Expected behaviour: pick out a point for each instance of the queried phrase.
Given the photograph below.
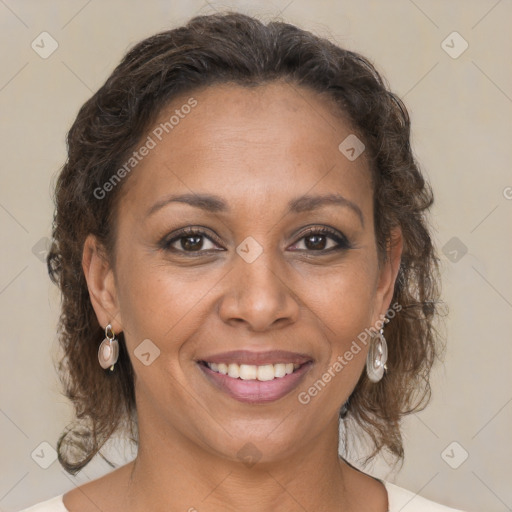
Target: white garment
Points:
(400, 500)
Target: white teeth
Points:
(233, 371)
(279, 370)
(248, 371)
(253, 372)
(266, 372)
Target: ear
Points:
(388, 272)
(101, 284)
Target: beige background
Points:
(460, 110)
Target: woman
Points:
(239, 236)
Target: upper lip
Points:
(257, 358)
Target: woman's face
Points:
(262, 175)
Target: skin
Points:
(241, 144)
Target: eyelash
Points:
(341, 240)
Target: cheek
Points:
(159, 304)
(345, 301)
(349, 310)
(348, 293)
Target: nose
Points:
(258, 295)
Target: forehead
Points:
(255, 146)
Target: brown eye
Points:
(189, 240)
(315, 242)
(322, 240)
(191, 243)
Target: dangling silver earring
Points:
(377, 357)
(109, 349)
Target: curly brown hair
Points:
(239, 49)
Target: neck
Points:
(173, 473)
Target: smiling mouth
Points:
(265, 372)
(255, 384)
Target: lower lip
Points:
(256, 391)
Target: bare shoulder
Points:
(104, 493)
(370, 494)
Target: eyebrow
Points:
(215, 204)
